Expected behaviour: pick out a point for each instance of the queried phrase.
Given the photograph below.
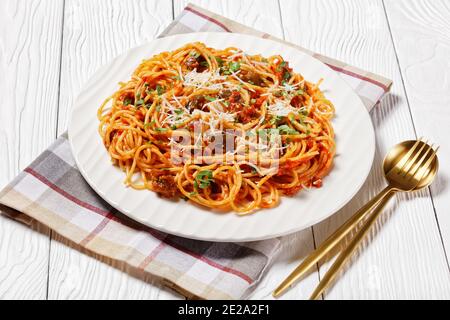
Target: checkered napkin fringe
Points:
(52, 192)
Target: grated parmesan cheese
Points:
(202, 79)
(280, 108)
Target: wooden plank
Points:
(30, 38)
(421, 31)
(403, 257)
(265, 16)
(95, 32)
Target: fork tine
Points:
(401, 163)
(423, 169)
(413, 168)
(407, 167)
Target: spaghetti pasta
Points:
(276, 125)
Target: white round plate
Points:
(355, 142)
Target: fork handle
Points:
(332, 241)
(347, 252)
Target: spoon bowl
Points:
(396, 172)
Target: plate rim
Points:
(371, 143)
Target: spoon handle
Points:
(332, 241)
(347, 252)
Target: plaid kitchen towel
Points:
(51, 191)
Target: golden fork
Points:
(409, 166)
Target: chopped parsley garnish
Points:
(303, 112)
(173, 127)
(178, 111)
(139, 102)
(204, 63)
(209, 98)
(281, 66)
(234, 66)
(291, 117)
(275, 119)
(300, 92)
(299, 120)
(270, 134)
(267, 132)
(191, 194)
(195, 54)
(219, 61)
(277, 93)
(127, 101)
(285, 129)
(204, 179)
(149, 124)
(159, 90)
(286, 76)
(161, 129)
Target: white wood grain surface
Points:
(48, 49)
(421, 32)
(30, 42)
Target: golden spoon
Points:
(410, 165)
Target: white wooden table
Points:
(49, 48)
